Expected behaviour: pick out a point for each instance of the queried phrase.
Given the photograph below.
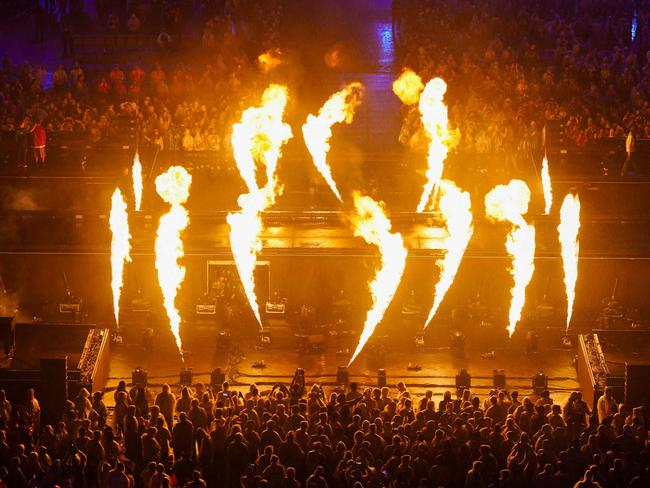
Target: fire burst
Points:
(258, 137)
(408, 87)
(509, 203)
(173, 186)
(317, 131)
(371, 223)
(136, 174)
(120, 248)
(546, 186)
(455, 207)
(568, 232)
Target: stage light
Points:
(499, 378)
(381, 378)
(342, 376)
(186, 376)
(540, 382)
(139, 377)
(463, 380)
(217, 378)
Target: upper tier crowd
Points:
(513, 65)
(352, 438)
(183, 102)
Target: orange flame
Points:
(568, 231)
(371, 223)
(258, 137)
(317, 131)
(455, 207)
(509, 203)
(173, 186)
(136, 174)
(120, 248)
(408, 87)
(546, 186)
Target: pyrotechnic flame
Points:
(568, 232)
(408, 87)
(456, 209)
(509, 203)
(136, 174)
(546, 186)
(317, 131)
(434, 119)
(257, 138)
(120, 248)
(371, 223)
(270, 60)
(173, 186)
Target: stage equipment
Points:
(342, 375)
(217, 378)
(186, 376)
(410, 309)
(381, 378)
(637, 385)
(457, 340)
(612, 314)
(8, 335)
(419, 340)
(276, 306)
(264, 339)
(540, 382)
(206, 306)
(139, 377)
(532, 342)
(53, 392)
(499, 378)
(463, 380)
(223, 341)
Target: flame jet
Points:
(456, 208)
(136, 174)
(509, 203)
(436, 125)
(257, 138)
(120, 248)
(317, 131)
(546, 186)
(173, 186)
(371, 223)
(568, 234)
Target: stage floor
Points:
(439, 365)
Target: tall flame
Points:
(509, 203)
(317, 131)
(371, 223)
(546, 186)
(434, 119)
(257, 138)
(456, 209)
(408, 87)
(173, 186)
(136, 174)
(568, 232)
(120, 248)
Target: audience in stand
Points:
(283, 437)
(512, 66)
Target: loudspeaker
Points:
(381, 378)
(342, 377)
(637, 385)
(139, 377)
(499, 378)
(53, 392)
(463, 380)
(217, 377)
(186, 376)
(8, 335)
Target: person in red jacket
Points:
(39, 137)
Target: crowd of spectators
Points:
(187, 105)
(513, 65)
(291, 437)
